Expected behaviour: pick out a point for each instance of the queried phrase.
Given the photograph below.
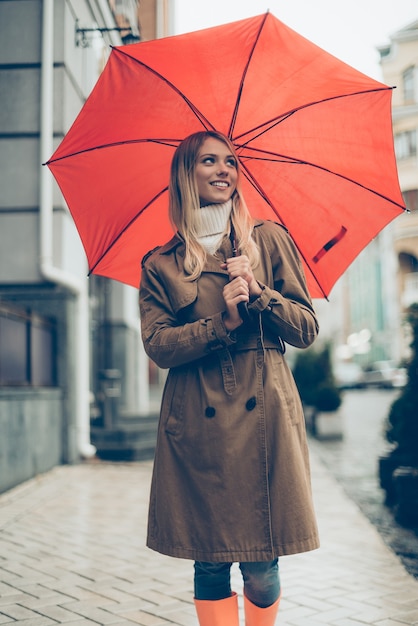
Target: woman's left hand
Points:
(240, 266)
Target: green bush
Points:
(307, 375)
(402, 423)
(315, 380)
(328, 398)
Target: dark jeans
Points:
(212, 581)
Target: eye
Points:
(208, 159)
(231, 162)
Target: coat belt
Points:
(250, 341)
(254, 341)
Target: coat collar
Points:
(177, 240)
(184, 292)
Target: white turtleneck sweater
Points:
(213, 221)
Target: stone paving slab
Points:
(72, 551)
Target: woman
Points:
(231, 479)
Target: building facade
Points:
(399, 62)
(371, 297)
(68, 344)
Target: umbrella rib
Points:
(125, 228)
(244, 74)
(267, 126)
(172, 143)
(262, 193)
(204, 121)
(293, 161)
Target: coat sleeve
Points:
(168, 342)
(286, 307)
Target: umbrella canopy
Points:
(313, 135)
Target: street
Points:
(354, 463)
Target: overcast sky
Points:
(349, 30)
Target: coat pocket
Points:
(287, 390)
(173, 402)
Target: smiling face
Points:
(215, 172)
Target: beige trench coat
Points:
(231, 479)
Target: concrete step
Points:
(131, 438)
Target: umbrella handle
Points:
(241, 306)
(243, 312)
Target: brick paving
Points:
(72, 552)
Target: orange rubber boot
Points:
(218, 612)
(256, 616)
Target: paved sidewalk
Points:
(72, 552)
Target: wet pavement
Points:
(72, 551)
(353, 461)
(72, 546)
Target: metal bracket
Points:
(82, 41)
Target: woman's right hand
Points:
(233, 293)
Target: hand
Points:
(240, 266)
(234, 292)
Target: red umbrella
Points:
(314, 138)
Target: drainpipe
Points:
(72, 283)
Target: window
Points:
(27, 349)
(13, 351)
(408, 81)
(411, 199)
(42, 350)
(406, 144)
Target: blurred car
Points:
(383, 375)
(348, 375)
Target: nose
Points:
(222, 169)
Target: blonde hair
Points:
(184, 204)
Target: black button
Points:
(251, 403)
(210, 411)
